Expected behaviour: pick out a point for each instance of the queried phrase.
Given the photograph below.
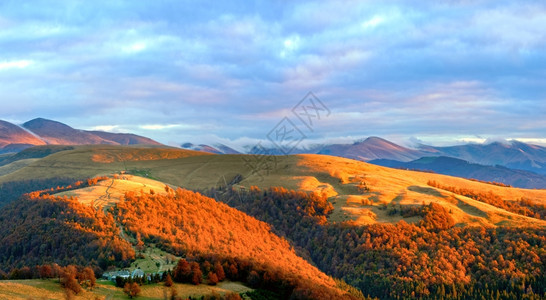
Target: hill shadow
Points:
(425, 191)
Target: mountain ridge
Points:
(40, 131)
(462, 168)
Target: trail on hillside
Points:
(105, 202)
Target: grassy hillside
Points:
(502, 252)
(360, 192)
(124, 216)
(176, 219)
(51, 289)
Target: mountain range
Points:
(36, 132)
(511, 154)
(462, 168)
(513, 163)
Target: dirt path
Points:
(103, 200)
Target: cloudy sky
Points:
(177, 71)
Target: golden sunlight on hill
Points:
(361, 192)
(366, 192)
(108, 192)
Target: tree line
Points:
(428, 260)
(523, 207)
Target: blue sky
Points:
(442, 72)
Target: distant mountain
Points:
(226, 150)
(216, 149)
(125, 138)
(56, 133)
(40, 131)
(14, 138)
(370, 149)
(461, 168)
(513, 154)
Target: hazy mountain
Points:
(372, 148)
(364, 150)
(40, 131)
(226, 149)
(461, 168)
(513, 154)
(125, 138)
(216, 149)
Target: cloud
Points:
(108, 128)
(17, 64)
(453, 69)
(160, 126)
(373, 22)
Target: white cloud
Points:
(108, 128)
(167, 126)
(158, 126)
(453, 69)
(373, 22)
(15, 64)
(538, 141)
(290, 45)
(135, 47)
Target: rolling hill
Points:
(106, 222)
(358, 190)
(392, 233)
(512, 155)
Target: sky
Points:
(439, 72)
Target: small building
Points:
(112, 275)
(137, 273)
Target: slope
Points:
(42, 131)
(359, 191)
(45, 229)
(176, 218)
(57, 133)
(104, 222)
(13, 137)
(124, 138)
